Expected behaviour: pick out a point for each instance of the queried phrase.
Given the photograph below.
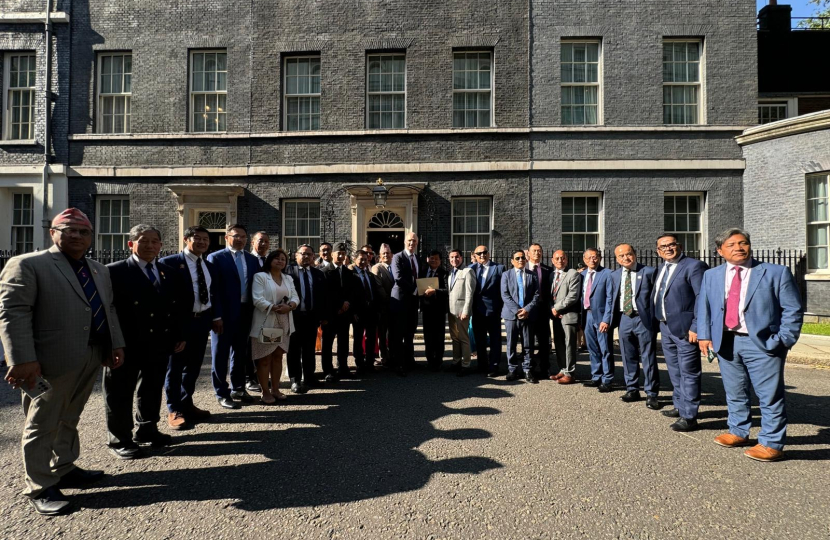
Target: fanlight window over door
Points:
(386, 220)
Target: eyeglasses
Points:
(72, 231)
(665, 247)
(519, 258)
(480, 253)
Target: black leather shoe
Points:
(298, 388)
(592, 383)
(228, 403)
(156, 440)
(671, 413)
(605, 388)
(78, 477)
(331, 378)
(126, 452)
(631, 396)
(494, 373)
(463, 372)
(312, 383)
(684, 424)
(455, 367)
(253, 386)
(50, 502)
(653, 404)
(243, 396)
(531, 378)
(512, 376)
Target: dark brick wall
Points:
(818, 298)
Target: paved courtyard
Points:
(434, 456)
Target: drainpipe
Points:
(47, 138)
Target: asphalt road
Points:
(435, 456)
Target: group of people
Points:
(147, 321)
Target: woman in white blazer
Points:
(274, 298)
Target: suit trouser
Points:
(541, 334)
(301, 360)
(183, 368)
(683, 365)
(565, 339)
(405, 322)
(460, 340)
(483, 326)
(141, 375)
(337, 326)
(434, 323)
(231, 347)
(601, 349)
(366, 324)
(518, 329)
(743, 365)
(384, 334)
(638, 344)
(50, 434)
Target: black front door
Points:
(393, 238)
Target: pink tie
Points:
(587, 301)
(733, 301)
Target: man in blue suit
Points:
(235, 269)
(487, 304)
(750, 314)
(632, 285)
(520, 294)
(676, 292)
(596, 287)
(403, 304)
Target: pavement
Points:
(811, 350)
(433, 456)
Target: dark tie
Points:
(452, 279)
(204, 297)
(556, 283)
(307, 295)
(414, 267)
(99, 318)
(661, 292)
(151, 275)
(366, 284)
(733, 302)
(481, 275)
(628, 295)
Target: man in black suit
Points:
(367, 299)
(150, 305)
(311, 288)
(487, 304)
(260, 246)
(434, 308)
(197, 282)
(339, 290)
(403, 305)
(541, 326)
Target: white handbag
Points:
(269, 335)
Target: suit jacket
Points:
(461, 292)
(178, 263)
(318, 290)
(338, 292)
(227, 303)
(487, 300)
(404, 282)
(45, 315)
(383, 276)
(566, 301)
(682, 292)
(439, 303)
(642, 298)
(365, 303)
(510, 294)
(772, 308)
(544, 287)
(152, 320)
(600, 289)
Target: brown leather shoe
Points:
(729, 440)
(198, 414)
(176, 421)
(566, 379)
(557, 376)
(759, 452)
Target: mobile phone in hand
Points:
(40, 388)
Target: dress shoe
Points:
(493, 374)
(50, 502)
(728, 440)
(631, 396)
(78, 478)
(197, 414)
(344, 373)
(605, 388)
(566, 379)
(176, 421)
(592, 383)
(253, 386)
(531, 378)
(759, 452)
(512, 376)
(331, 378)
(312, 383)
(228, 403)
(243, 396)
(653, 404)
(463, 372)
(298, 388)
(671, 413)
(557, 376)
(154, 439)
(455, 366)
(684, 424)
(132, 451)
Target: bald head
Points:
(411, 242)
(626, 256)
(559, 260)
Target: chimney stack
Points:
(775, 18)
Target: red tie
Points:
(733, 301)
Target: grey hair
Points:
(728, 233)
(140, 229)
(384, 245)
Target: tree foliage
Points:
(820, 17)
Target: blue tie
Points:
(241, 271)
(661, 292)
(481, 276)
(99, 318)
(452, 278)
(521, 282)
(307, 295)
(151, 275)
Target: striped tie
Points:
(99, 318)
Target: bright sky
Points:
(801, 8)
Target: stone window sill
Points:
(22, 142)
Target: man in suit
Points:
(365, 315)
(235, 269)
(370, 255)
(57, 321)
(383, 277)
(434, 308)
(541, 326)
(520, 295)
(598, 335)
(749, 314)
(487, 304)
(198, 289)
(325, 259)
(149, 301)
(632, 286)
(462, 286)
(565, 310)
(340, 292)
(677, 285)
(403, 304)
(311, 289)
(260, 246)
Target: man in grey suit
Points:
(565, 289)
(385, 282)
(462, 287)
(57, 321)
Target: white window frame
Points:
(600, 196)
(810, 266)
(101, 96)
(598, 84)
(491, 90)
(99, 242)
(22, 226)
(791, 105)
(453, 232)
(217, 93)
(284, 238)
(701, 83)
(7, 90)
(314, 95)
(701, 233)
(382, 93)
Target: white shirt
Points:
(323, 264)
(670, 267)
(260, 259)
(244, 270)
(198, 307)
(486, 271)
(730, 275)
(300, 271)
(633, 279)
(143, 265)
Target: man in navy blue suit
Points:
(403, 304)
(520, 294)
(749, 313)
(311, 289)
(235, 269)
(596, 286)
(487, 304)
(632, 286)
(676, 292)
(196, 276)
